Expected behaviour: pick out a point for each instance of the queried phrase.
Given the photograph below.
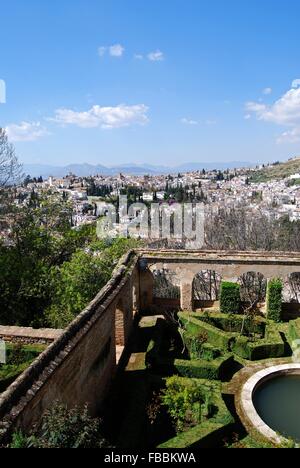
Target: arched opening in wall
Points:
(166, 288)
(291, 292)
(119, 330)
(206, 289)
(291, 296)
(253, 289)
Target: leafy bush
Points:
(230, 299)
(19, 441)
(185, 402)
(63, 428)
(274, 300)
(213, 428)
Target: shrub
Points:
(64, 428)
(215, 424)
(19, 441)
(274, 300)
(230, 299)
(184, 399)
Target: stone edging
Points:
(247, 398)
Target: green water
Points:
(278, 404)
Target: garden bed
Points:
(19, 357)
(261, 339)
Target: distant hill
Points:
(277, 171)
(84, 170)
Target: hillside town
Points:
(90, 196)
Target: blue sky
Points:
(157, 82)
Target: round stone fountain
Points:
(270, 400)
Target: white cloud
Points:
(156, 56)
(26, 131)
(138, 56)
(284, 112)
(186, 121)
(290, 136)
(116, 50)
(267, 91)
(104, 117)
(296, 83)
(247, 117)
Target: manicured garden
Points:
(174, 390)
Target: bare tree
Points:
(10, 168)
(206, 286)
(238, 229)
(253, 287)
(253, 291)
(166, 285)
(293, 286)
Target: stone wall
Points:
(79, 366)
(26, 335)
(185, 265)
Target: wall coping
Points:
(47, 334)
(208, 256)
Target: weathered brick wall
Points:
(79, 366)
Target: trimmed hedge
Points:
(201, 369)
(274, 300)
(195, 436)
(199, 350)
(272, 346)
(294, 331)
(230, 298)
(216, 337)
(153, 354)
(233, 323)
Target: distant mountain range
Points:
(81, 170)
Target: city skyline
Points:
(108, 83)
